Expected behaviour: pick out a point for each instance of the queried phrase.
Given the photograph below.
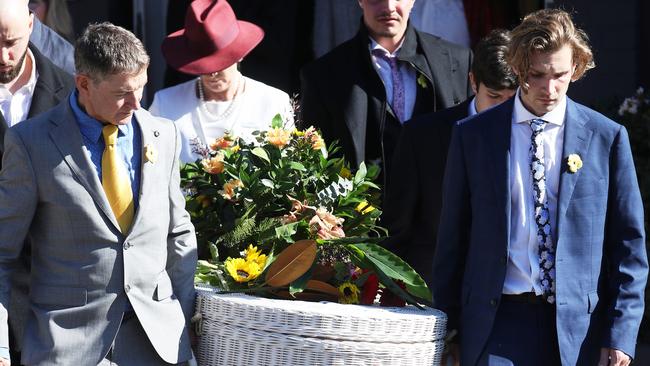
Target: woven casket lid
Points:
(323, 319)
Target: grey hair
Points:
(106, 49)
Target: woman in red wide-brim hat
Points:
(220, 100)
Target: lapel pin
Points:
(156, 133)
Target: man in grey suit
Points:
(94, 183)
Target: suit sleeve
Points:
(181, 240)
(312, 110)
(401, 197)
(18, 199)
(624, 250)
(453, 233)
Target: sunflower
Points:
(349, 293)
(242, 270)
(255, 255)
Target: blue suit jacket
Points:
(601, 260)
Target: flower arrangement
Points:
(279, 217)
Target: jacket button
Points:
(127, 288)
(493, 302)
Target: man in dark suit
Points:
(361, 92)
(29, 85)
(541, 255)
(414, 197)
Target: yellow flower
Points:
(574, 163)
(214, 164)
(235, 148)
(363, 207)
(150, 154)
(278, 137)
(296, 132)
(422, 81)
(230, 188)
(345, 173)
(349, 293)
(242, 270)
(253, 254)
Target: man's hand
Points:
(5, 362)
(613, 357)
(451, 356)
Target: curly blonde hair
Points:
(548, 30)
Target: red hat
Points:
(212, 40)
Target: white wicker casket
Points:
(237, 329)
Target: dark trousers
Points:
(524, 334)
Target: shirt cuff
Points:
(4, 353)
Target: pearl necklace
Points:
(228, 111)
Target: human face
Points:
(548, 79)
(15, 28)
(386, 20)
(113, 99)
(39, 7)
(487, 97)
(221, 85)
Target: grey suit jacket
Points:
(83, 270)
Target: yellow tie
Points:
(115, 181)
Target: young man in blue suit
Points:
(541, 254)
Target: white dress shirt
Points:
(15, 107)
(522, 272)
(408, 78)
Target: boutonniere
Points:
(150, 154)
(422, 81)
(574, 163)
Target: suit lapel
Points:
(577, 137)
(498, 132)
(146, 168)
(67, 138)
(3, 130)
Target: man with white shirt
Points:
(363, 91)
(413, 200)
(541, 254)
(29, 85)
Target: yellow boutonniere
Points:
(574, 163)
(150, 154)
(422, 81)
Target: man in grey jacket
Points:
(94, 183)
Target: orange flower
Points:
(230, 189)
(214, 164)
(222, 142)
(278, 137)
(314, 138)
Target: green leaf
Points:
(277, 121)
(300, 284)
(361, 173)
(267, 183)
(286, 231)
(261, 153)
(394, 267)
(297, 166)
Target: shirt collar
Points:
(376, 46)
(471, 109)
(29, 87)
(521, 114)
(89, 126)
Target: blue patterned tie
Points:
(399, 96)
(546, 249)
